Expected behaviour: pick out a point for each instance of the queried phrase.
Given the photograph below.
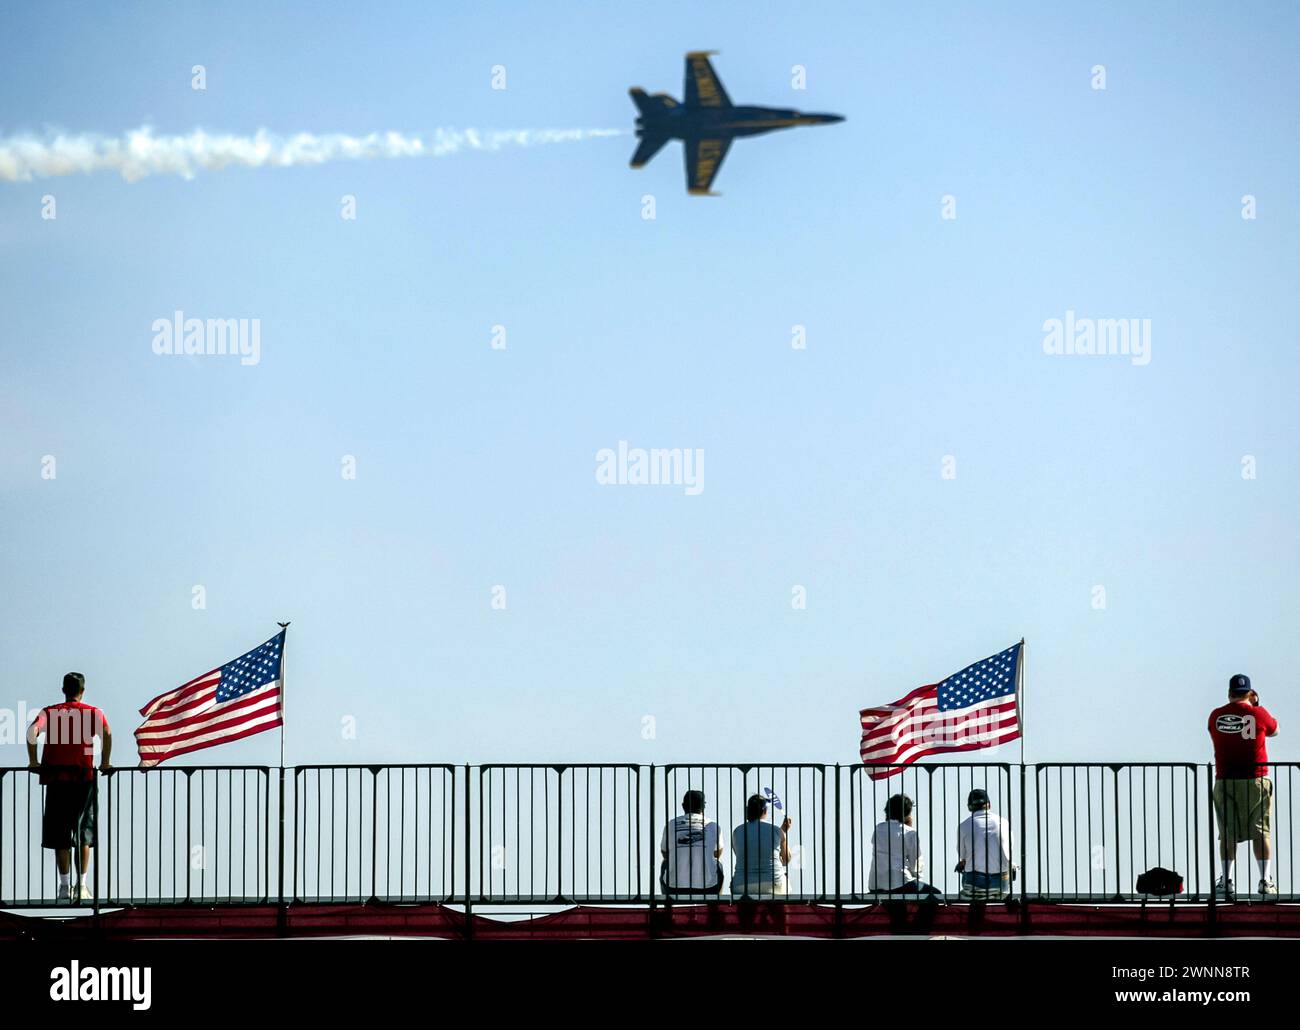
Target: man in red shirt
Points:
(67, 770)
(1243, 793)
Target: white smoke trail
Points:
(140, 153)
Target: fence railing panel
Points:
(384, 833)
(1098, 826)
(937, 795)
(802, 792)
(557, 833)
(1286, 782)
(164, 836)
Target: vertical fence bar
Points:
(264, 825)
(654, 875)
(637, 851)
(853, 833)
(1024, 849)
(282, 912)
(469, 917)
(107, 851)
(1212, 915)
(1119, 850)
(839, 894)
(299, 836)
(374, 832)
(97, 852)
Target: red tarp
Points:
(611, 923)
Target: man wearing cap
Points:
(984, 851)
(1243, 793)
(687, 843)
(67, 769)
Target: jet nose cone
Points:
(820, 119)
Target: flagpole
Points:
(284, 626)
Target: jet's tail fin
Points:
(650, 105)
(650, 145)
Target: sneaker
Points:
(1267, 887)
(62, 894)
(84, 894)
(1223, 889)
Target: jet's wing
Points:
(646, 149)
(703, 87)
(703, 159)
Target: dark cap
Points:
(977, 799)
(1239, 685)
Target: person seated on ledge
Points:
(984, 851)
(762, 852)
(690, 847)
(896, 862)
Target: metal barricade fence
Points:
(563, 834)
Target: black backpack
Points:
(1160, 882)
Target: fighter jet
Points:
(706, 122)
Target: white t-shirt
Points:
(688, 844)
(984, 842)
(895, 856)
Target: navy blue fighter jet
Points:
(706, 122)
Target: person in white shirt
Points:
(984, 851)
(896, 862)
(691, 847)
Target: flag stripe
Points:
(224, 718)
(218, 736)
(895, 770)
(939, 728)
(214, 733)
(911, 750)
(931, 722)
(155, 758)
(208, 710)
(902, 704)
(173, 697)
(197, 703)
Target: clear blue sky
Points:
(477, 467)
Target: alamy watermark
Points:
(78, 726)
(198, 336)
(658, 466)
(75, 982)
(1100, 336)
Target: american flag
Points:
(238, 699)
(975, 708)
